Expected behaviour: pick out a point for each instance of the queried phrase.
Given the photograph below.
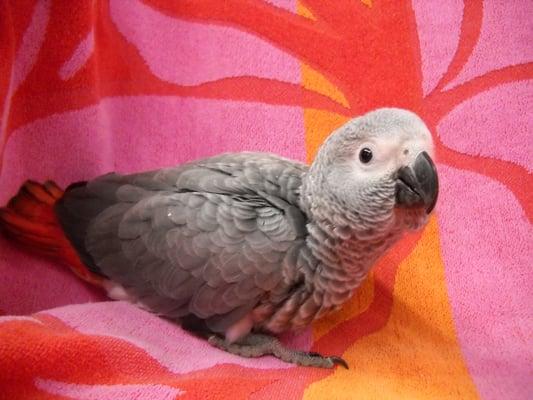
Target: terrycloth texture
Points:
(87, 87)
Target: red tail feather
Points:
(30, 220)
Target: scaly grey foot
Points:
(257, 345)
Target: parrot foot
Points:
(257, 345)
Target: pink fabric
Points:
(167, 46)
(159, 338)
(108, 392)
(439, 36)
(504, 112)
(505, 39)
(488, 250)
(25, 287)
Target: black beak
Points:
(418, 186)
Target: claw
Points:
(339, 361)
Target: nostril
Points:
(406, 151)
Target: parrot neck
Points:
(344, 243)
(344, 260)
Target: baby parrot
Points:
(240, 247)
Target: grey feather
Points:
(216, 229)
(216, 239)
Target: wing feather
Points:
(210, 238)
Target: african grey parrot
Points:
(241, 246)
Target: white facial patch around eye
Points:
(366, 154)
(383, 161)
(392, 148)
(385, 153)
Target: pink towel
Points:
(89, 87)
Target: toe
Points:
(216, 341)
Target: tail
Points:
(29, 219)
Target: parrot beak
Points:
(418, 186)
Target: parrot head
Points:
(378, 169)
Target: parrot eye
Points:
(365, 155)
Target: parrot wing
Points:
(210, 238)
